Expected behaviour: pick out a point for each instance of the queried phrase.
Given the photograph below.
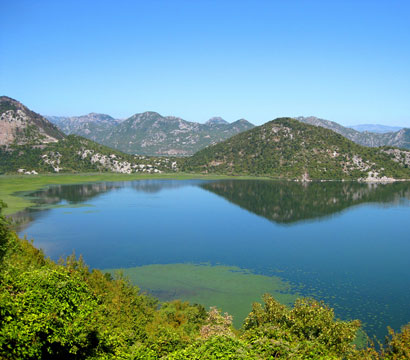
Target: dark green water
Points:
(345, 243)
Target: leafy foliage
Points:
(308, 330)
(399, 345)
(66, 311)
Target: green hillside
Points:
(76, 154)
(287, 148)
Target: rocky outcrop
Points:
(19, 125)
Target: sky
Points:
(345, 61)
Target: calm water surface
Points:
(345, 243)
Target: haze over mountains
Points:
(91, 126)
(400, 138)
(376, 128)
(150, 133)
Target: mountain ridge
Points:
(149, 133)
(30, 144)
(400, 138)
(376, 128)
(286, 148)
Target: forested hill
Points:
(75, 154)
(287, 148)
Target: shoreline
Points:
(12, 186)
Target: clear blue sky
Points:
(346, 61)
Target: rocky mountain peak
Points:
(216, 120)
(243, 122)
(19, 125)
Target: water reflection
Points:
(280, 202)
(289, 202)
(76, 194)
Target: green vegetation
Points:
(6, 106)
(288, 149)
(66, 311)
(229, 288)
(72, 154)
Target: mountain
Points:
(287, 148)
(30, 144)
(400, 138)
(216, 121)
(150, 133)
(375, 128)
(19, 125)
(91, 126)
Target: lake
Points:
(345, 243)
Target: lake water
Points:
(345, 243)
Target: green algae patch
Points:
(229, 288)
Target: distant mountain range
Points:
(290, 149)
(30, 144)
(91, 126)
(150, 133)
(400, 138)
(375, 128)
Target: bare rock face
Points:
(19, 125)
